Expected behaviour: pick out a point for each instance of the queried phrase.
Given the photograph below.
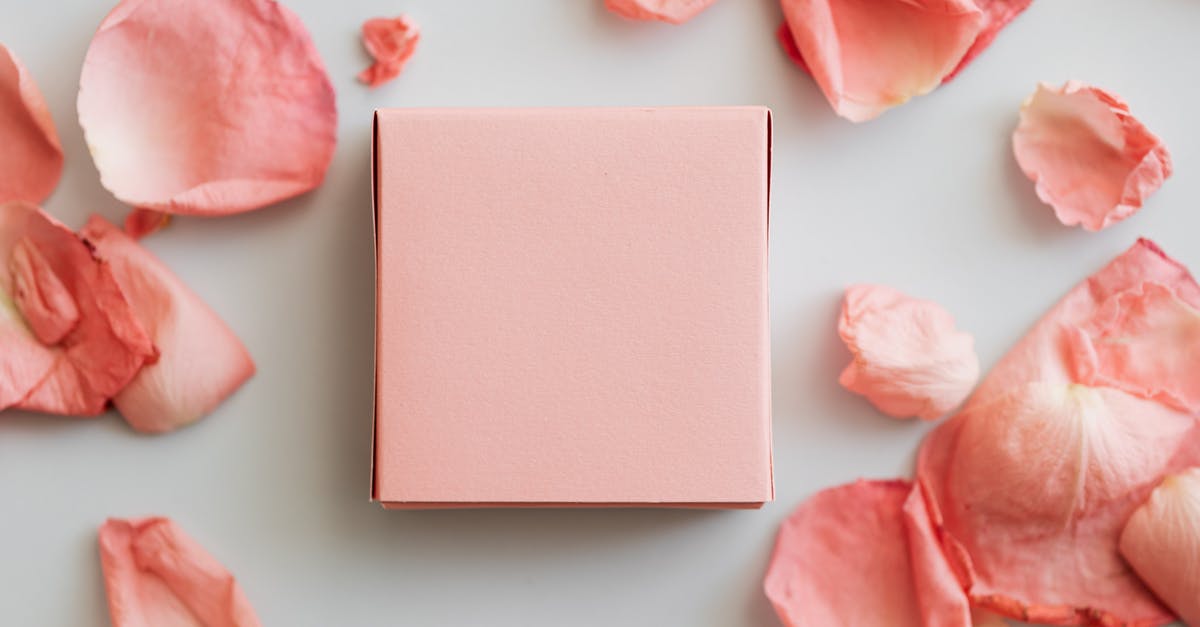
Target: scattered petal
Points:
(227, 108)
(844, 557)
(104, 345)
(1162, 543)
(784, 35)
(142, 222)
(1030, 484)
(996, 15)
(671, 11)
(870, 56)
(1146, 342)
(1091, 160)
(201, 363)
(24, 361)
(31, 159)
(941, 597)
(909, 360)
(156, 575)
(391, 42)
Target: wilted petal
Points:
(870, 55)
(40, 296)
(1147, 342)
(672, 11)
(31, 157)
(104, 347)
(1092, 161)
(390, 42)
(1162, 543)
(201, 361)
(909, 360)
(24, 361)
(157, 576)
(226, 108)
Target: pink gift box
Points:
(572, 308)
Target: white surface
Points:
(926, 199)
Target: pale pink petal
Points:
(909, 360)
(1092, 161)
(24, 361)
(1145, 341)
(390, 42)
(940, 595)
(870, 55)
(158, 576)
(226, 108)
(844, 558)
(671, 11)
(201, 361)
(1162, 543)
(104, 345)
(142, 222)
(1029, 486)
(31, 157)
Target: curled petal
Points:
(868, 56)
(31, 157)
(1162, 543)
(226, 108)
(844, 558)
(1092, 161)
(996, 15)
(142, 222)
(671, 11)
(390, 42)
(201, 361)
(24, 361)
(157, 575)
(909, 360)
(104, 345)
(1145, 341)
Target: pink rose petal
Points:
(157, 576)
(909, 360)
(1030, 485)
(390, 42)
(1145, 341)
(142, 222)
(1162, 543)
(671, 11)
(844, 558)
(31, 157)
(24, 361)
(870, 55)
(226, 108)
(1092, 161)
(201, 363)
(64, 288)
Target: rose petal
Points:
(156, 575)
(844, 558)
(40, 296)
(226, 108)
(391, 42)
(869, 56)
(1030, 484)
(142, 222)
(1162, 543)
(671, 11)
(909, 360)
(1146, 342)
(24, 361)
(105, 345)
(939, 594)
(202, 362)
(31, 157)
(1092, 161)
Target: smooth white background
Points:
(926, 199)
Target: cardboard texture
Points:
(572, 308)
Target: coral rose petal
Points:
(671, 11)
(201, 361)
(869, 56)
(940, 595)
(156, 575)
(62, 287)
(1030, 485)
(1162, 543)
(390, 42)
(24, 361)
(1144, 341)
(142, 222)
(909, 360)
(31, 157)
(1091, 160)
(996, 15)
(226, 108)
